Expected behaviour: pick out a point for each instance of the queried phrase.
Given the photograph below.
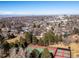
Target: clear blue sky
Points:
(39, 8)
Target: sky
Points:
(38, 7)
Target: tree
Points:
(21, 43)
(34, 25)
(76, 30)
(38, 25)
(57, 39)
(12, 45)
(52, 28)
(60, 38)
(45, 54)
(34, 40)
(48, 38)
(46, 42)
(51, 38)
(25, 44)
(28, 37)
(52, 55)
(10, 36)
(35, 53)
(6, 47)
(1, 39)
(16, 43)
(65, 34)
(41, 42)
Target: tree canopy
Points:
(45, 54)
(35, 53)
(28, 37)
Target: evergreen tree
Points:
(41, 42)
(34, 40)
(34, 25)
(45, 54)
(28, 37)
(34, 54)
(1, 39)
